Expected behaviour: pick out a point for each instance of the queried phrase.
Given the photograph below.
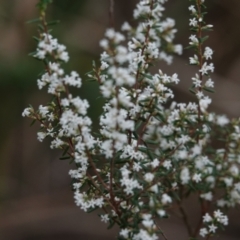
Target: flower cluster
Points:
(201, 81)
(49, 46)
(213, 222)
(151, 152)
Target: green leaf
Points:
(211, 90)
(190, 46)
(72, 160)
(42, 5)
(135, 135)
(32, 123)
(112, 223)
(191, 91)
(36, 39)
(138, 125)
(160, 118)
(92, 209)
(147, 76)
(65, 151)
(33, 21)
(152, 141)
(121, 161)
(202, 40)
(64, 158)
(53, 22)
(41, 27)
(90, 72)
(32, 54)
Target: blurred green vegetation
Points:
(18, 75)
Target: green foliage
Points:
(42, 5)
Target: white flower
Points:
(61, 53)
(148, 177)
(207, 196)
(56, 143)
(166, 199)
(136, 166)
(147, 221)
(212, 228)
(228, 181)
(207, 218)
(175, 78)
(154, 188)
(209, 83)
(193, 22)
(27, 112)
(222, 120)
(185, 175)
(199, 94)
(167, 164)
(204, 103)
(197, 177)
(124, 232)
(105, 218)
(196, 81)
(144, 235)
(237, 186)
(104, 65)
(104, 43)
(41, 136)
(110, 33)
(207, 68)
(203, 232)
(183, 139)
(126, 27)
(155, 163)
(217, 214)
(220, 217)
(194, 40)
(43, 111)
(192, 9)
(208, 53)
(178, 49)
(99, 202)
(161, 213)
(73, 80)
(194, 59)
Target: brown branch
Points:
(164, 236)
(199, 35)
(111, 13)
(185, 218)
(144, 46)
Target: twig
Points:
(111, 13)
(164, 236)
(185, 219)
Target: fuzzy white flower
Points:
(197, 177)
(207, 218)
(149, 177)
(193, 22)
(105, 218)
(166, 199)
(185, 175)
(167, 164)
(203, 232)
(208, 53)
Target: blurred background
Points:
(36, 202)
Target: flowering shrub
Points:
(150, 153)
